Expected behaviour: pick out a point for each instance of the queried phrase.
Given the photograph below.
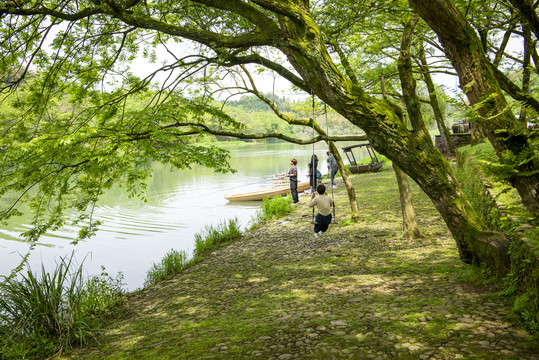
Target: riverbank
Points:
(359, 292)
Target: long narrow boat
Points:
(268, 193)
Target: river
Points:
(136, 234)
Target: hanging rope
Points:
(313, 169)
(334, 221)
(313, 165)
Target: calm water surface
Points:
(136, 234)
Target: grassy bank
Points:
(359, 292)
(501, 209)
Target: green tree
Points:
(91, 37)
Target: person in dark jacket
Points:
(332, 168)
(313, 166)
(293, 176)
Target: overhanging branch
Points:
(208, 130)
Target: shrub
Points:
(172, 263)
(531, 318)
(49, 312)
(213, 237)
(521, 283)
(273, 208)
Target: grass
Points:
(172, 263)
(48, 312)
(485, 156)
(272, 208)
(213, 237)
(360, 292)
(206, 241)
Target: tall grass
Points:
(273, 208)
(213, 237)
(172, 263)
(210, 238)
(44, 313)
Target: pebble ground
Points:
(358, 292)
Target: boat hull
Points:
(373, 167)
(268, 193)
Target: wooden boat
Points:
(355, 168)
(372, 167)
(268, 193)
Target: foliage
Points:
(478, 275)
(273, 208)
(58, 160)
(521, 284)
(171, 264)
(362, 272)
(254, 104)
(214, 237)
(522, 307)
(61, 163)
(209, 239)
(44, 313)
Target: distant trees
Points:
(252, 103)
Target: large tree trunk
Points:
(526, 73)
(413, 108)
(433, 99)
(347, 182)
(412, 150)
(477, 80)
(409, 222)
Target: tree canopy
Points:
(66, 135)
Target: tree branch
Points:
(527, 11)
(278, 68)
(205, 37)
(514, 91)
(315, 139)
(345, 63)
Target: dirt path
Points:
(359, 292)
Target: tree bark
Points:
(409, 222)
(526, 73)
(411, 230)
(289, 27)
(477, 80)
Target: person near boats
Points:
(332, 168)
(293, 176)
(323, 203)
(313, 169)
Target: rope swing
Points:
(314, 167)
(334, 219)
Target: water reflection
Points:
(179, 204)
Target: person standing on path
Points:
(323, 202)
(293, 176)
(332, 168)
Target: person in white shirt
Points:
(323, 203)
